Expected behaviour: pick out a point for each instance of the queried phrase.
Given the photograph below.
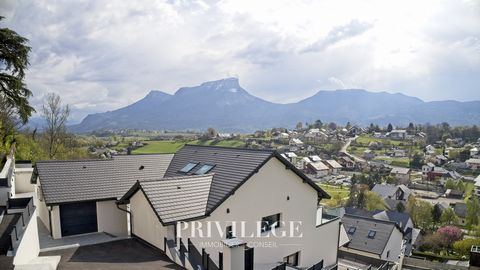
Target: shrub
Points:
(450, 234)
(463, 246)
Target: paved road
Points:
(345, 147)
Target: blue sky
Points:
(101, 55)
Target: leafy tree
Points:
(318, 123)
(348, 126)
(463, 246)
(332, 126)
(389, 127)
(55, 116)
(450, 234)
(400, 207)
(473, 210)
(436, 213)
(450, 184)
(448, 217)
(373, 201)
(211, 133)
(299, 126)
(14, 61)
(416, 162)
(421, 213)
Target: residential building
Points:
(402, 175)
(430, 150)
(198, 185)
(346, 162)
(318, 168)
(369, 154)
(460, 210)
(397, 134)
(371, 238)
(473, 163)
(392, 195)
(232, 188)
(429, 167)
(333, 166)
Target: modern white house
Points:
(255, 196)
(229, 186)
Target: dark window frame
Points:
(292, 259)
(269, 221)
(229, 232)
(371, 234)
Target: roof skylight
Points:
(204, 169)
(371, 234)
(189, 167)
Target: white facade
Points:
(273, 190)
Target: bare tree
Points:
(56, 117)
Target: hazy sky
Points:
(103, 54)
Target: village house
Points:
(333, 166)
(370, 240)
(369, 154)
(397, 134)
(197, 185)
(317, 168)
(346, 162)
(392, 195)
(402, 175)
(473, 163)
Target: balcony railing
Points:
(24, 208)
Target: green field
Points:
(400, 162)
(368, 139)
(166, 147)
(336, 193)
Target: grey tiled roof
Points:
(360, 241)
(233, 166)
(178, 198)
(82, 180)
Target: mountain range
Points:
(226, 106)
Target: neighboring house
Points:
(319, 169)
(346, 162)
(473, 151)
(460, 210)
(399, 153)
(402, 175)
(371, 238)
(397, 134)
(333, 166)
(429, 167)
(79, 196)
(296, 142)
(430, 149)
(440, 159)
(235, 185)
(473, 163)
(292, 157)
(392, 195)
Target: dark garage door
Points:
(77, 218)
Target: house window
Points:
(229, 232)
(351, 230)
(371, 234)
(188, 167)
(204, 169)
(270, 222)
(292, 260)
(388, 253)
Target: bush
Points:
(463, 246)
(450, 234)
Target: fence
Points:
(201, 259)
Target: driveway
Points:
(121, 254)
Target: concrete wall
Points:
(110, 219)
(29, 246)
(145, 223)
(22, 180)
(42, 211)
(266, 194)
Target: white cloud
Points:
(101, 55)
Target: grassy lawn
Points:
(334, 192)
(368, 139)
(165, 147)
(400, 162)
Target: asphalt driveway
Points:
(122, 254)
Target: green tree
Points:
(436, 213)
(421, 213)
(448, 217)
(473, 210)
(400, 207)
(389, 127)
(450, 184)
(14, 61)
(373, 201)
(299, 126)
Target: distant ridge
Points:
(226, 106)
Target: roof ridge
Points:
(371, 219)
(231, 148)
(177, 177)
(74, 160)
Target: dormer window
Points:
(189, 167)
(204, 169)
